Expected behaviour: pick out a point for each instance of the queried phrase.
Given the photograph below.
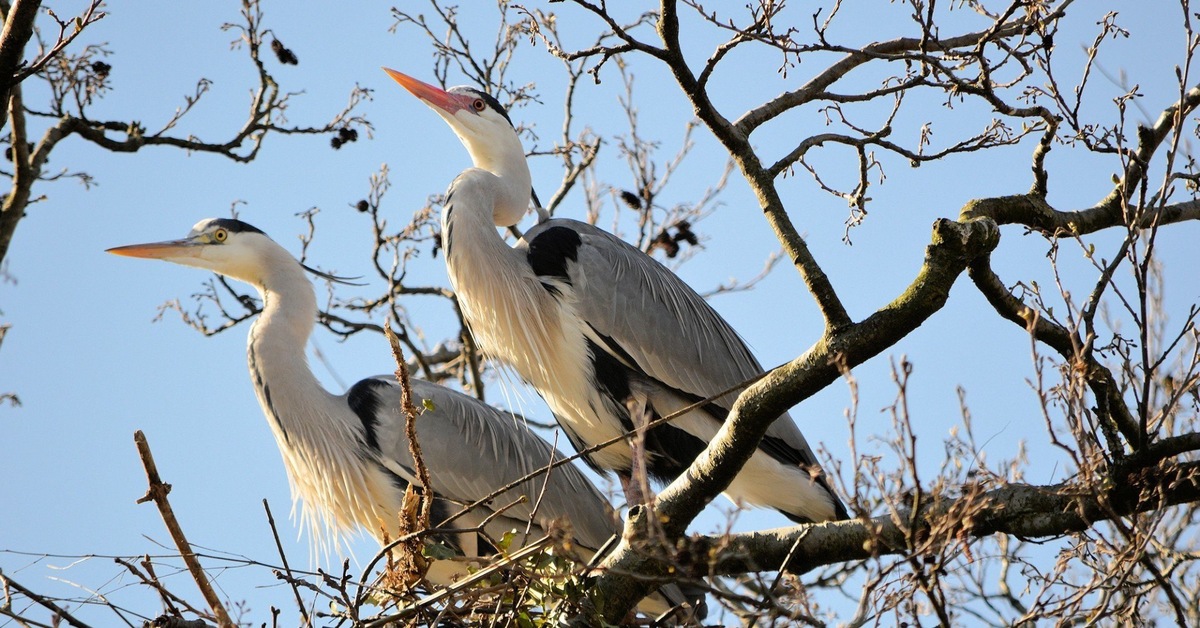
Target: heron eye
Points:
(479, 105)
(220, 234)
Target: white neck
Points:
(319, 438)
(503, 156)
(278, 363)
(468, 230)
(512, 315)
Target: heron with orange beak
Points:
(610, 338)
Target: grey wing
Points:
(472, 449)
(647, 315)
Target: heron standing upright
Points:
(347, 456)
(611, 338)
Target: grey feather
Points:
(660, 322)
(471, 449)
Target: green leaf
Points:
(437, 551)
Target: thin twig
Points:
(305, 619)
(157, 492)
(410, 426)
(482, 574)
(59, 611)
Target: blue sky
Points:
(91, 367)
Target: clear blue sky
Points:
(91, 367)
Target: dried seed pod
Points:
(285, 56)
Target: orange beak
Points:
(435, 97)
(170, 249)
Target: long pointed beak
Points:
(170, 249)
(435, 97)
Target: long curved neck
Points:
(503, 300)
(468, 231)
(319, 438)
(504, 157)
(287, 389)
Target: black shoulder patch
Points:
(550, 250)
(365, 403)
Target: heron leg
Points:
(637, 483)
(632, 488)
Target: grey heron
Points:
(347, 456)
(608, 336)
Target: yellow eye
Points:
(479, 105)
(220, 234)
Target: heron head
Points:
(478, 119)
(483, 126)
(223, 245)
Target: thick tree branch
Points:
(1022, 510)
(18, 28)
(1033, 211)
(12, 209)
(19, 19)
(954, 245)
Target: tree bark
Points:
(953, 247)
(18, 28)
